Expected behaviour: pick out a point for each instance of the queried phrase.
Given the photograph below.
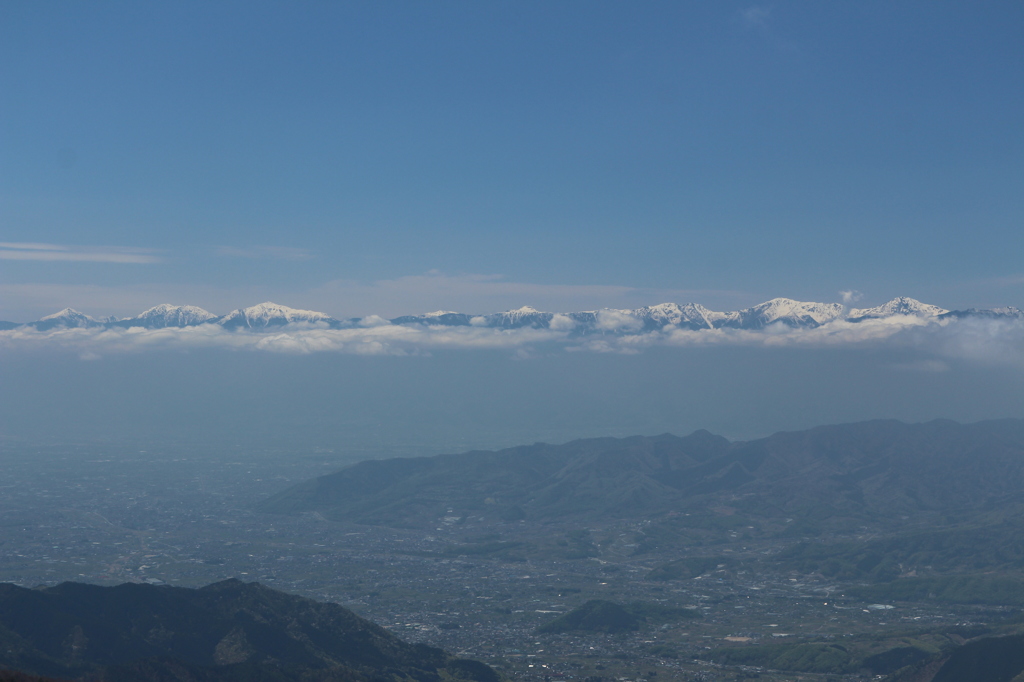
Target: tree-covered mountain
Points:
(223, 632)
(875, 471)
(987, 659)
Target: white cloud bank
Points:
(987, 341)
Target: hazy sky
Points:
(391, 158)
(458, 400)
(398, 157)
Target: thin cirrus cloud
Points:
(757, 20)
(32, 251)
(755, 17)
(265, 252)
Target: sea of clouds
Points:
(990, 341)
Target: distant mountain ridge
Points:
(868, 470)
(786, 312)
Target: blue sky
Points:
(393, 158)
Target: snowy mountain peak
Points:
(271, 314)
(167, 315)
(69, 317)
(67, 314)
(898, 306)
(520, 317)
(270, 309)
(781, 307)
(673, 309)
(788, 312)
(167, 309)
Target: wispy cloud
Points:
(850, 296)
(759, 20)
(755, 17)
(1008, 281)
(82, 254)
(265, 252)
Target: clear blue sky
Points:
(564, 154)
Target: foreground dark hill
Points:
(990, 659)
(225, 631)
(878, 470)
(15, 676)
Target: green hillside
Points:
(829, 478)
(223, 632)
(597, 615)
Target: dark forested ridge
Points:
(873, 470)
(988, 659)
(226, 631)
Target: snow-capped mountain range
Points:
(782, 312)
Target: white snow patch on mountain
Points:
(688, 314)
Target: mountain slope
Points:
(266, 315)
(519, 318)
(686, 316)
(444, 318)
(873, 469)
(67, 318)
(225, 631)
(596, 615)
(988, 659)
(785, 311)
(598, 476)
(1007, 313)
(897, 306)
(167, 315)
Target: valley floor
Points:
(107, 516)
